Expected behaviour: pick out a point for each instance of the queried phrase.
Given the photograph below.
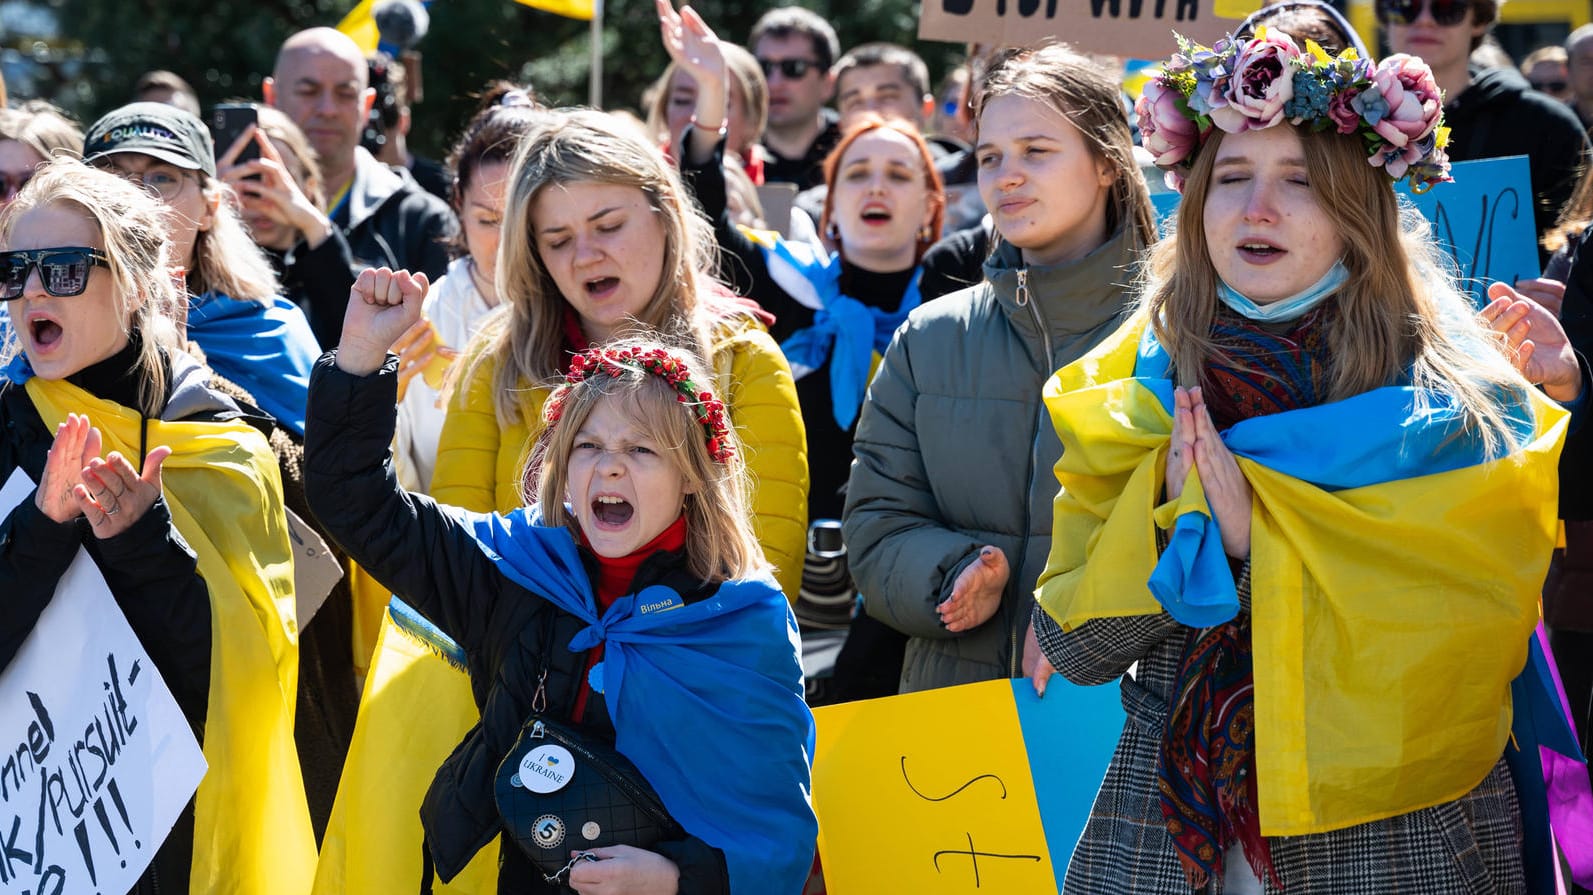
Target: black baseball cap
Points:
(156, 130)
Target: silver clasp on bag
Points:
(558, 879)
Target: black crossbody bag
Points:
(559, 791)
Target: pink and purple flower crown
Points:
(1237, 86)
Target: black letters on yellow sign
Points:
(973, 854)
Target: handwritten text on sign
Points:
(99, 759)
(1140, 28)
(978, 788)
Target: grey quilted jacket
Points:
(954, 450)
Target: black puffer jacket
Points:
(510, 636)
(151, 572)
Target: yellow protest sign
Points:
(934, 793)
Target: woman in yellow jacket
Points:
(599, 241)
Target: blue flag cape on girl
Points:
(706, 699)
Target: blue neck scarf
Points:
(733, 769)
(267, 349)
(845, 331)
(1291, 308)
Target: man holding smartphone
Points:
(321, 82)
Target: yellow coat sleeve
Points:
(763, 408)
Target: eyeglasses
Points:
(1550, 86)
(1404, 12)
(158, 182)
(12, 183)
(64, 271)
(792, 69)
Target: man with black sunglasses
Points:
(796, 47)
(1492, 113)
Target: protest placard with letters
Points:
(1137, 28)
(99, 761)
(979, 788)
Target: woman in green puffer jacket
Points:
(948, 513)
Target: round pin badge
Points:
(547, 768)
(548, 831)
(590, 830)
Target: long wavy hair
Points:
(526, 336)
(1080, 90)
(132, 226)
(720, 543)
(1401, 316)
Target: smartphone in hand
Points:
(227, 121)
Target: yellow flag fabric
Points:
(252, 826)
(1389, 620)
(373, 841)
(570, 9)
(360, 24)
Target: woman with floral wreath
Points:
(1311, 495)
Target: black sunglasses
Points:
(1550, 86)
(64, 271)
(791, 68)
(1404, 12)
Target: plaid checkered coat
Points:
(1471, 845)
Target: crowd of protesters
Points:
(603, 414)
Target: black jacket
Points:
(510, 636)
(151, 572)
(1500, 115)
(390, 221)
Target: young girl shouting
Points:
(640, 490)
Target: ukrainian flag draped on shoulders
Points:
(252, 827)
(1394, 567)
(706, 699)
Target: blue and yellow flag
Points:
(570, 9)
(251, 825)
(1395, 573)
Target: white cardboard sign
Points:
(98, 759)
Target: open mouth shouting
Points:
(601, 287)
(1259, 251)
(611, 512)
(44, 332)
(875, 214)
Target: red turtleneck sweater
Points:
(614, 578)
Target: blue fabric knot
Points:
(845, 331)
(1192, 580)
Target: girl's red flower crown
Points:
(617, 362)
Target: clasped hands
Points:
(1196, 444)
(106, 491)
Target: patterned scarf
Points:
(1206, 772)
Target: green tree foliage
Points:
(225, 47)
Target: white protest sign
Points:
(98, 759)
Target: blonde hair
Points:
(526, 338)
(132, 226)
(720, 544)
(43, 128)
(1080, 90)
(1400, 317)
(226, 258)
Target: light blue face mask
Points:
(1285, 309)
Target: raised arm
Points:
(424, 553)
